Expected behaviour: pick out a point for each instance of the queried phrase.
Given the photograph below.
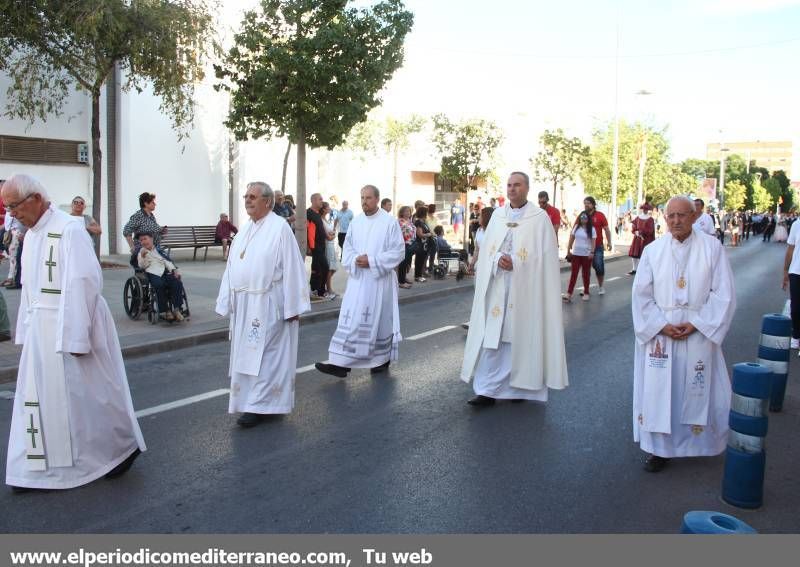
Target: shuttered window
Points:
(43, 150)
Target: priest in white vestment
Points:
(683, 303)
(703, 222)
(368, 332)
(264, 290)
(515, 346)
(73, 418)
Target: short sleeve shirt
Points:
(599, 222)
(555, 216)
(794, 240)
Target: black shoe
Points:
(517, 401)
(5, 336)
(632, 273)
(249, 420)
(123, 467)
(654, 463)
(332, 369)
(481, 401)
(21, 489)
(380, 369)
(465, 326)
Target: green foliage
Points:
(773, 187)
(662, 179)
(468, 150)
(49, 46)
(735, 195)
(762, 201)
(698, 168)
(560, 159)
(392, 134)
(310, 70)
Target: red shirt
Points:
(599, 222)
(555, 216)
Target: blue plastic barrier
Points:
(773, 352)
(715, 523)
(745, 456)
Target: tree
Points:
(662, 179)
(762, 201)
(468, 152)
(697, 168)
(48, 47)
(735, 195)
(393, 134)
(309, 70)
(786, 192)
(560, 159)
(773, 187)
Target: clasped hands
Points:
(678, 332)
(362, 261)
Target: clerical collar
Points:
(522, 206)
(44, 219)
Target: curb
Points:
(9, 373)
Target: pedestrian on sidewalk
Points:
(409, 231)
(343, 219)
(424, 241)
(368, 331)
(264, 291)
(330, 247)
(644, 233)
(73, 418)
(580, 249)
(317, 239)
(600, 224)
(552, 212)
(515, 343)
(683, 304)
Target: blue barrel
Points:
(745, 456)
(776, 325)
(714, 523)
(777, 359)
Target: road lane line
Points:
(431, 332)
(184, 402)
(225, 391)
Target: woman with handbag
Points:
(580, 251)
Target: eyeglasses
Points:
(77, 202)
(12, 206)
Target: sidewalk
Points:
(202, 285)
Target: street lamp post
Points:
(722, 176)
(642, 158)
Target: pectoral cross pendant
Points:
(242, 254)
(681, 282)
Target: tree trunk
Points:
(300, 224)
(97, 163)
(285, 166)
(555, 194)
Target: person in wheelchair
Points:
(163, 275)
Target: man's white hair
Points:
(266, 191)
(26, 186)
(684, 198)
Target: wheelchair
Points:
(454, 261)
(138, 297)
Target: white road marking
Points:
(308, 368)
(184, 402)
(431, 332)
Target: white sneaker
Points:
(330, 296)
(601, 290)
(795, 343)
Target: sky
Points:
(717, 70)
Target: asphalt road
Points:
(403, 453)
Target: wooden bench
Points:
(190, 237)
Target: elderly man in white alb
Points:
(368, 333)
(683, 304)
(515, 346)
(264, 290)
(73, 419)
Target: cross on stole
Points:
(366, 314)
(33, 431)
(50, 265)
(347, 317)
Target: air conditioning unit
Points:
(83, 153)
